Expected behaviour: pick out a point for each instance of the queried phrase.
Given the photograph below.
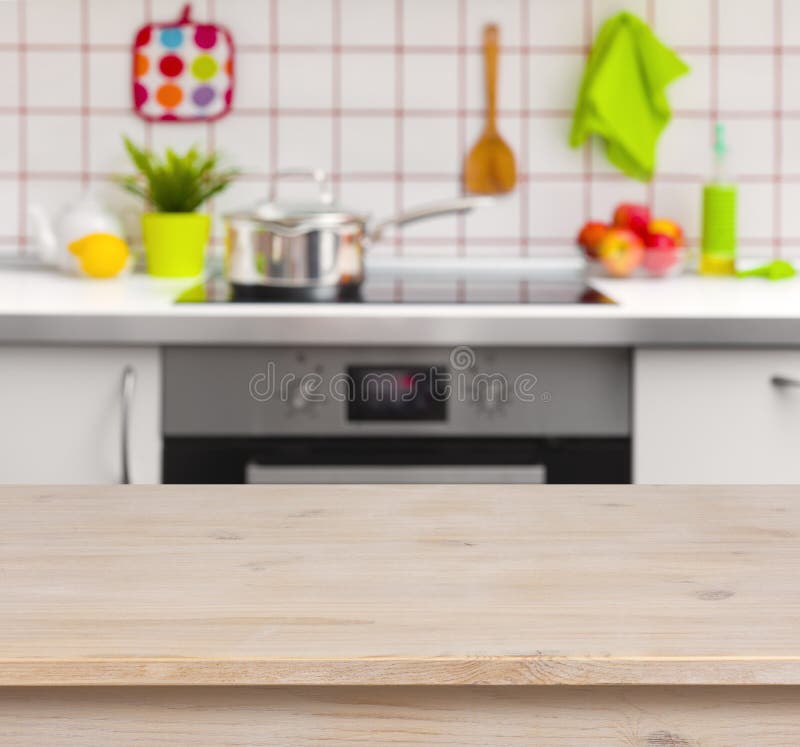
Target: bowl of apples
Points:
(634, 244)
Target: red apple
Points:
(667, 228)
(590, 237)
(659, 242)
(633, 217)
(658, 262)
(621, 252)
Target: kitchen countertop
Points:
(397, 585)
(38, 306)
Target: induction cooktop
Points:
(415, 290)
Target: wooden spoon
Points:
(490, 168)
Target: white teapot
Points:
(74, 221)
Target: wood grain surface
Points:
(399, 585)
(441, 716)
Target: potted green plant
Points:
(173, 188)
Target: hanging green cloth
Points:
(622, 96)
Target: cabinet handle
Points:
(126, 405)
(785, 382)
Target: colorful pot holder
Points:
(182, 71)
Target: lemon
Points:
(101, 255)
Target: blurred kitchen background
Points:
(387, 95)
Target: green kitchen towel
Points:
(622, 96)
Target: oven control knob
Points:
(297, 401)
(493, 394)
(301, 397)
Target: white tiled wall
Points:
(388, 95)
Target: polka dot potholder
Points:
(182, 71)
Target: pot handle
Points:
(431, 210)
(320, 176)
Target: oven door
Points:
(396, 460)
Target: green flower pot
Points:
(175, 243)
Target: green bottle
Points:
(718, 247)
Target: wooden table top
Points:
(399, 585)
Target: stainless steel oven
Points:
(396, 415)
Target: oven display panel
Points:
(398, 393)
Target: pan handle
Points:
(431, 210)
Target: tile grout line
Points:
(22, 134)
(211, 136)
(713, 77)
(524, 147)
(410, 49)
(273, 88)
(461, 105)
(651, 21)
(506, 241)
(399, 153)
(408, 113)
(148, 125)
(777, 167)
(85, 94)
(523, 185)
(211, 130)
(430, 177)
(713, 94)
(336, 96)
(588, 175)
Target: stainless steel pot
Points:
(313, 249)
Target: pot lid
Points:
(322, 211)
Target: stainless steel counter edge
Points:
(484, 326)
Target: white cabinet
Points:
(716, 416)
(63, 414)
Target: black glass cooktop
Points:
(415, 290)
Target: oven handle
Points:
(126, 407)
(266, 474)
